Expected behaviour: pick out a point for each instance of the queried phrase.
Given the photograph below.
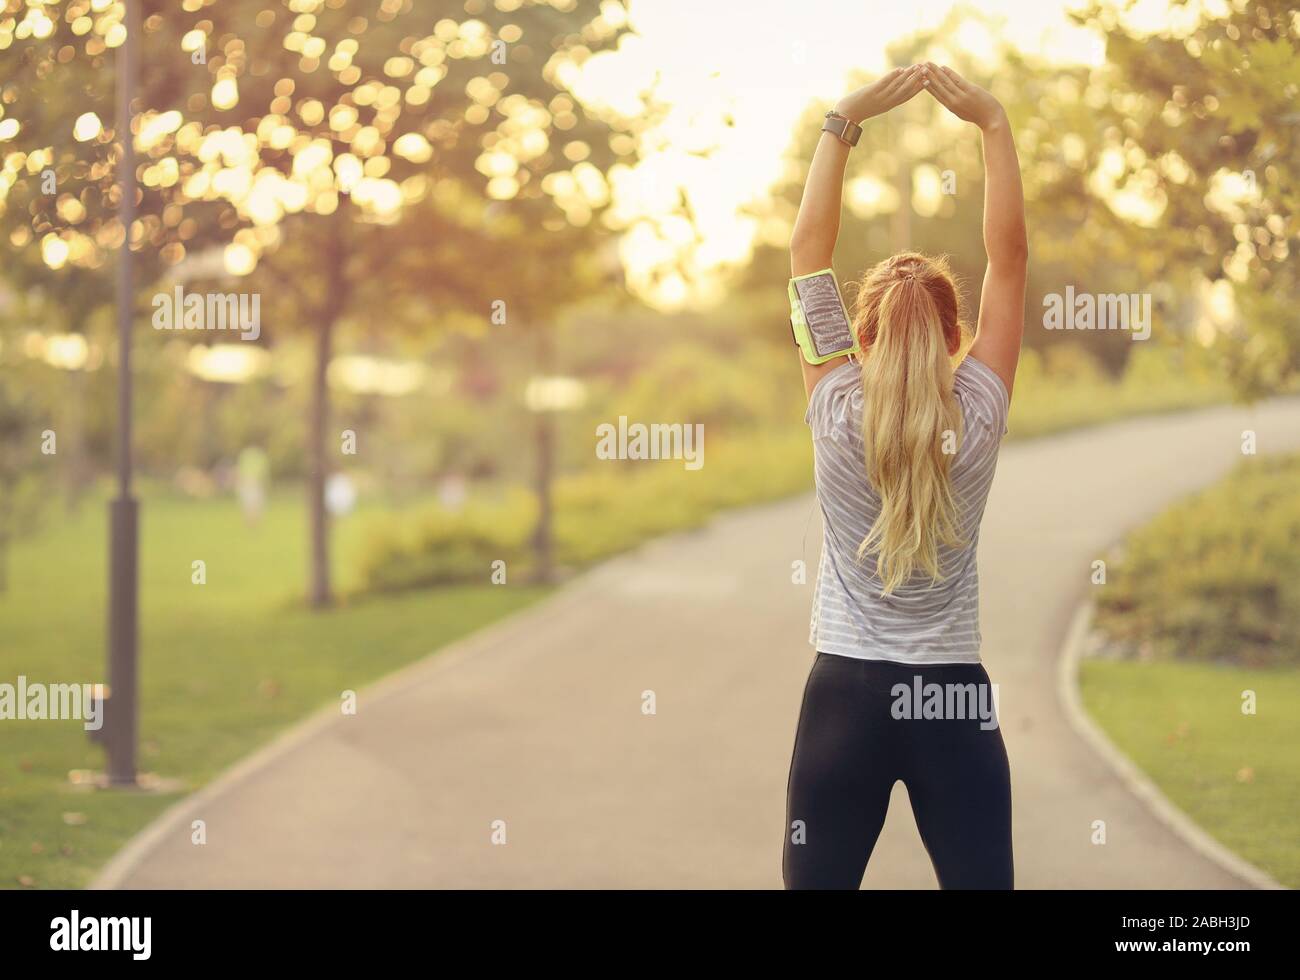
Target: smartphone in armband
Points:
(820, 322)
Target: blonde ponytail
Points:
(910, 327)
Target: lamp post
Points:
(120, 714)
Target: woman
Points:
(905, 447)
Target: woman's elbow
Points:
(809, 252)
(1012, 252)
(1021, 244)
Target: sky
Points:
(763, 62)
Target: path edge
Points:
(137, 849)
(1134, 779)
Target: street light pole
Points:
(120, 716)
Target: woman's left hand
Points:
(880, 96)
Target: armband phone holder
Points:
(820, 322)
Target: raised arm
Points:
(1002, 300)
(818, 224)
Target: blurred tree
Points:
(72, 306)
(293, 133)
(916, 180)
(23, 477)
(1201, 125)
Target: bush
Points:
(608, 509)
(1068, 389)
(1217, 577)
(437, 546)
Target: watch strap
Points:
(847, 131)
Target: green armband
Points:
(820, 322)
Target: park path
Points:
(538, 721)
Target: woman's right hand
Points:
(888, 91)
(963, 99)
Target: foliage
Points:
(1062, 387)
(1217, 577)
(1200, 121)
(23, 479)
(607, 509)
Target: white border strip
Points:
(1134, 778)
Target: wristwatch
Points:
(842, 127)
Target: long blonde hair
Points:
(909, 323)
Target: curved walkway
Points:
(538, 721)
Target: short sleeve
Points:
(835, 400)
(983, 393)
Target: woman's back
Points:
(921, 622)
(905, 448)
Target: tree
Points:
(23, 480)
(262, 125)
(1202, 120)
(916, 181)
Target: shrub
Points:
(437, 546)
(1217, 577)
(607, 509)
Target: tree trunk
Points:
(318, 590)
(319, 593)
(543, 549)
(543, 545)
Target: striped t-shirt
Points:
(920, 622)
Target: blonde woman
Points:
(905, 446)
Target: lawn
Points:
(1237, 775)
(224, 665)
(1199, 607)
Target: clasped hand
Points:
(962, 98)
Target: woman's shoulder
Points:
(835, 400)
(982, 393)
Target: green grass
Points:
(1216, 577)
(224, 666)
(1236, 775)
(1199, 607)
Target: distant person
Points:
(453, 491)
(905, 446)
(340, 494)
(252, 470)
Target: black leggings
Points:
(859, 733)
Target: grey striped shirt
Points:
(920, 623)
